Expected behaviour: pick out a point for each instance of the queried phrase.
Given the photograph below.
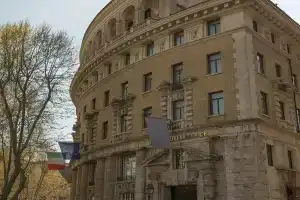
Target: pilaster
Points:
(73, 185)
(110, 178)
(99, 182)
(140, 175)
(84, 182)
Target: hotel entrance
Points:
(188, 192)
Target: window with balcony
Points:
(294, 80)
(260, 63)
(92, 174)
(264, 103)
(214, 63)
(147, 82)
(123, 123)
(127, 59)
(213, 27)
(290, 158)
(278, 70)
(148, 13)
(255, 26)
(150, 49)
(216, 100)
(178, 38)
(178, 159)
(270, 154)
(177, 76)
(128, 167)
(104, 130)
(178, 110)
(106, 98)
(124, 90)
(282, 110)
(94, 104)
(147, 112)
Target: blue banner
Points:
(70, 150)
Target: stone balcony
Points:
(120, 137)
(176, 125)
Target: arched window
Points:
(99, 39)
(128, 17)
(112, 28)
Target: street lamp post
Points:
(149, 191)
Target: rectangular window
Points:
(288, 47)
(106, 98)
(127, 59)
(123, 123)
(213, 27)
(273, 38)
(147, 112)
(109, 69)
(278, 70)
(178, 38)
(260, 63)
(128, 167)
(290, 157)
(178, 110)
(84, 109)
(298, 117)
(264, 103)
(148, 13)
(104, 130)
(270, 155)
(214, 63)
(92, 174)
(216, 100)
(94, 103)
(294, 80)
(177, 73)
(147, 82)
(150, 49)
(124, 91)
(282, 110)
(178, 159)
(255, 27)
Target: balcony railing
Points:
(176, 125)
(176, 86)
(120, 137)
(126, 178)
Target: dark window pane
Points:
(147, 112)
(214, 63)
(216, 103)
(264, 103)
(260, 63)
(270, 154)
(255, 27)
(213, 27)
(282, 110)
(290, 157)
(147, 82)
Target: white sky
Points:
(74, 17)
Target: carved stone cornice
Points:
(165, 85)
(91, 115)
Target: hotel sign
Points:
(188, 136)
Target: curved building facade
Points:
(223, 72)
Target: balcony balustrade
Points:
(176, 125)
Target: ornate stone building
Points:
(224, 72)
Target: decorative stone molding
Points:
(90, 115)
(120, 102)
(189, 80)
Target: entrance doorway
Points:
(188, 192)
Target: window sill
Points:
(214, 74)
(215, 116)
(261, 74)
(267, 116)
(147, 92)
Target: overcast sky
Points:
(74, 16)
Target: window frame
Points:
(255, 26)
(218, 100)
(145, 114)
(178, 38)
(104, 130)
(178, 67)
(273, 39)
(278, 70)
(148, 13)
(106, 98)
(264, 103)
(148, 82)
(290, 159)
(216, 24)
(260, 63)
(178, 105)
(94, 103)
(127, 59)
(178, 159)
(209, 61)
(131, 159)
(123, 123)
(282, 110)
(124, 89)
(109, 68)
(150, 49)
(269, 151)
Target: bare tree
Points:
(36, 64)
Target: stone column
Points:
(73, 186)
(78, 181)
(110, 178)
(99, 182)
(140, 175)
(84, 182)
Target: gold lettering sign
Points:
(188, 135)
